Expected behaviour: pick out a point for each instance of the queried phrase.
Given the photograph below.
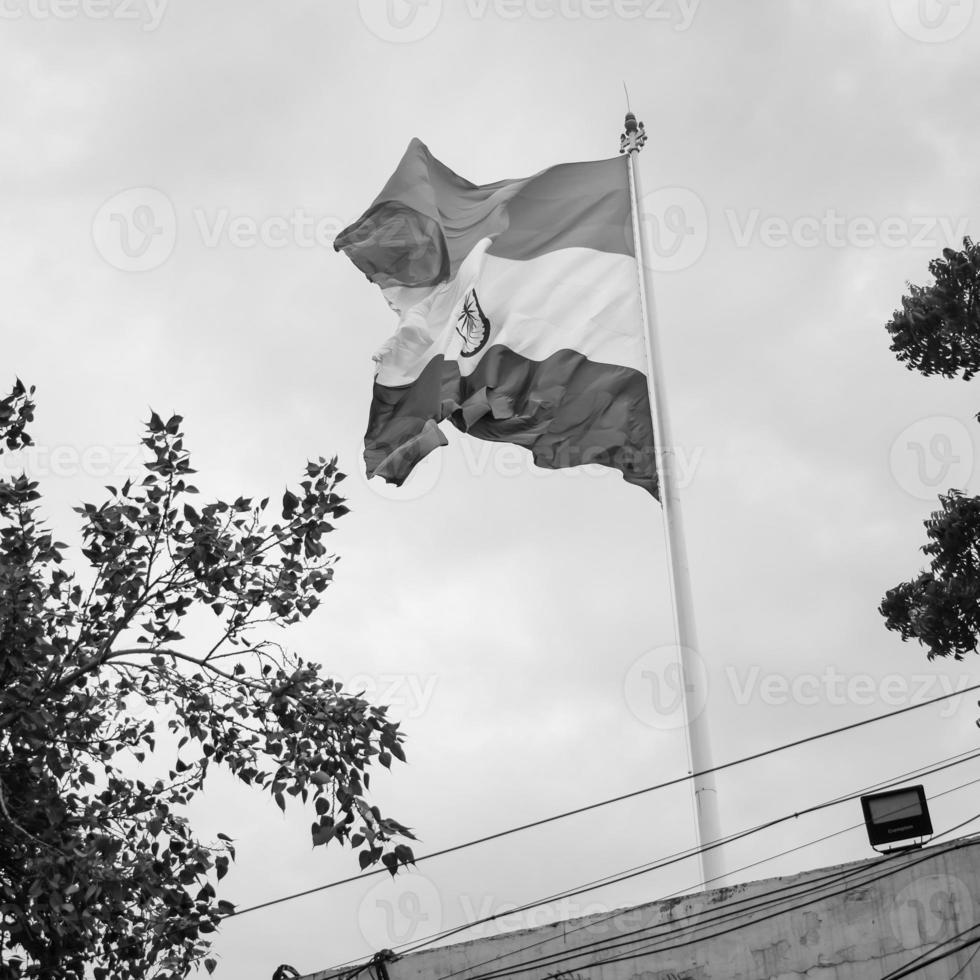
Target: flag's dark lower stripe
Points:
(566, 409)
(428, 219)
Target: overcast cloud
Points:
(804, 161)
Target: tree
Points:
(100, 872)
(937, 331)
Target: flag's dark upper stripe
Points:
(427, 219)
(566, 409)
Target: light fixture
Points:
(897, 815)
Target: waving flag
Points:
(519, 316)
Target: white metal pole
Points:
(692, 672)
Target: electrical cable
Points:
(950, 762)
(650, 949)
(676, 781)
(961, 757)
(966, 965)
(914, 964)
(725, 912)
(690, 852)
(753, 905)
(656, 945)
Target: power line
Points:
(966, 965)
(592, 923)
(615, 799)
(926, 857)
(949, 762)
(338, 968)
(654, 947)
(919, 962)
(925, 770)
(727, 912)
(632, 936)
(804, 888)
(682, 855)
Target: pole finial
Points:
(632, 140)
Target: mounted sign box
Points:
(896, 815)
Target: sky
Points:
(172, 175)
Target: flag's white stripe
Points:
(575, 298)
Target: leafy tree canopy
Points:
(941, 607)
(937, 331)
(101, 875)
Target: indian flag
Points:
(518, 316)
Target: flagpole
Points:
(692, 674)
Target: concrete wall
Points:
(852, 922)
